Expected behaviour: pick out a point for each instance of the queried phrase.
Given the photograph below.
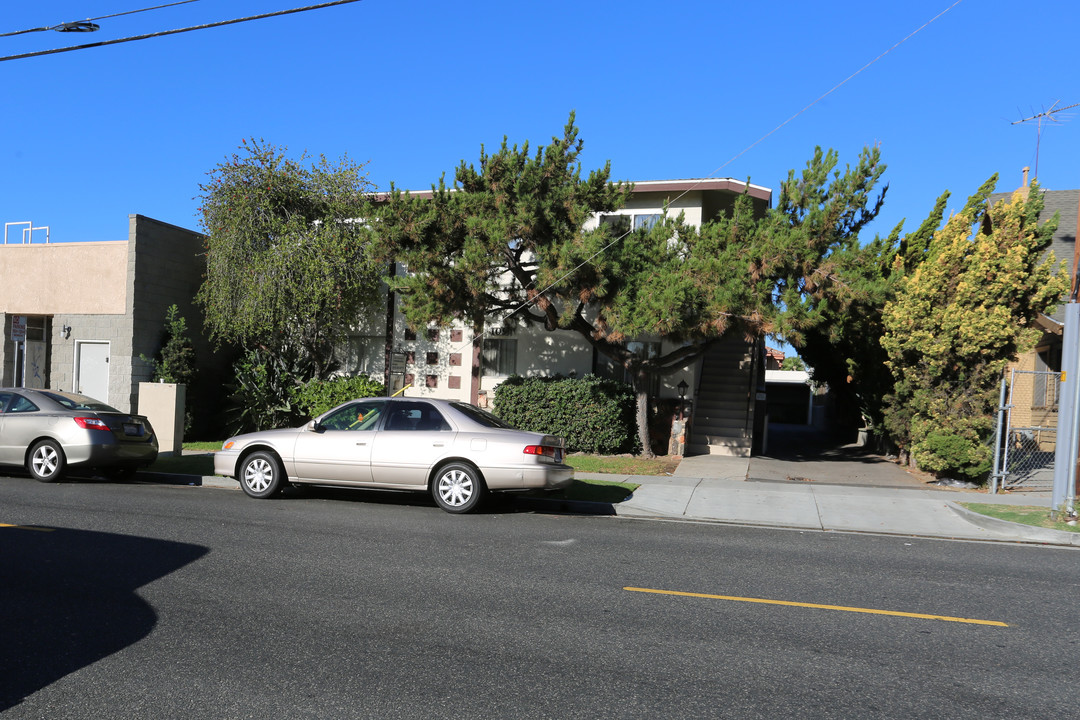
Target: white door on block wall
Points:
(92, 370)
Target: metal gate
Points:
(1027, 431)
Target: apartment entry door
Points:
(92, 369)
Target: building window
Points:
(646, 222)
(622, 224)
(617, 224)
(432, 358)
(433, 334)
(365, 354)
(454, 382)
(605, 367)
(410, 334)
(1046, 389)
(499, 356)
(455, 359)
(432, 381)
(455, 336)
(37, 327)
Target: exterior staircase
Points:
(722, 420)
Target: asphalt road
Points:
(142, 601)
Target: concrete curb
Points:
(189, 480)
(1028, 533)
(1002, 530)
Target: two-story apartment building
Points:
(444, 362)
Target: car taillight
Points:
(91, 423)
(545, 450)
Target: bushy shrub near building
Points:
(594, 415)
(317, 396)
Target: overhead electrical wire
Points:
(68, 26)
(163, 33)
(345, 2)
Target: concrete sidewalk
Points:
(860, 494)
(830, 490)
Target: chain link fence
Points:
(1027, 426)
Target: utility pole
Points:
(1067, 450)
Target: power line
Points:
(88, 24)
(132, 12)
(833, 89)
(177, 31)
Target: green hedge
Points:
(317, 396)
(592, 414)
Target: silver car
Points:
(48, 432)
(453, 450)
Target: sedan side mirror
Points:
(315, 426)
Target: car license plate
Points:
(132, 429)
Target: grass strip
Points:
(622, 464)
(1024, 514)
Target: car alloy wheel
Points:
(46, 461)
(458, 488)
(261, 475)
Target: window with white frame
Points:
(646, 222)
(624, 223)
(499, 356)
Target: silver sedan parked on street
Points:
(48, 431)
(453, 450)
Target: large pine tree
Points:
(506, 242)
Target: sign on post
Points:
(18, 328)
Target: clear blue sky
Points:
(663, 90)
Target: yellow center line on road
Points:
(25, 527)
(790, 603)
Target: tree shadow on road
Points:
(69, 599)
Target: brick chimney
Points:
(1023, 189)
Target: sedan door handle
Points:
(438, 444)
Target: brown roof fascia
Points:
(723, 184)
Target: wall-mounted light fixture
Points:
(65, 331)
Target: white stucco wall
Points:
(75, 278)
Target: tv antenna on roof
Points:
(1040, 117)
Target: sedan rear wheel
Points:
(261, 475)
(46, 462)
(458, 488)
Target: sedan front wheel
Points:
(458, 488)
(261, 475)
